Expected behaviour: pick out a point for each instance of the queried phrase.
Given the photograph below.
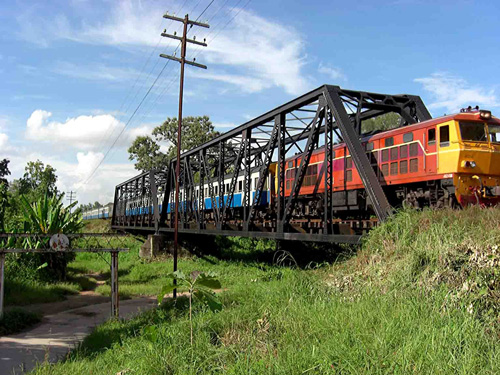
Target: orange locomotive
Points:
(448, 161)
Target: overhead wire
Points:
(138, 106)
(110, 134)
(165, 89)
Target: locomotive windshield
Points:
(494, 131)
(473, 131)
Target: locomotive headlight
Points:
(486, 115)
(468, 164)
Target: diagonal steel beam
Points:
(351, 138)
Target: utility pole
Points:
(184, 41)
(71, 197)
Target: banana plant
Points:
(49, 216)
(199, 285)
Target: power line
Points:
(71, 198)
(109, 134)
(135, 111)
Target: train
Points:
(450, 161)
(104, 212)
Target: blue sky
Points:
(73, 71)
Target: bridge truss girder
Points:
(295, 127)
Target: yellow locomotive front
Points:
(469, 151)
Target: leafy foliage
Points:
(4, 171)
(201, 285)
(37, 180)
(384, 122)
(49, 216)
(146, 151)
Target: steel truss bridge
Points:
(321, 117)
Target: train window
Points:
(348, 175)
(206, 192)
(407, 137)
(369, 146)
(216, 189)
(394, 153)
(385, 155)
(472, 131)
(288, 185)
(494, 132)
(374, 157)
(240, 185)
(227, 187)
(431, 136)
(385, 169)
(394, 168)
(290, 164)
(413, 165)
(311, 175)
(389, 142)
(375, 169)
(256, 182)
(348, 163)
(413, 149)
(403, 166)
(444, 136)
(403, 151)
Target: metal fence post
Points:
(2, 284)
(114, 285)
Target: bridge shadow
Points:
(271, 252)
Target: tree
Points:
(147, 150)
(38, 179)
(386, 121)
(147, 153)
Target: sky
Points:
(74, 71)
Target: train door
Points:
(430, 155)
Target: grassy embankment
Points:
(421, 296)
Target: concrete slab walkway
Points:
(58, 333)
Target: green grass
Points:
(16, 320)
(27, 292)
(419, 297)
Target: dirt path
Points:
(59, 332)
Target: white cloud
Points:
(452, 93)
(82, 132)
(3, 123)
(224, 125)
(267, 53)
(71, 174)
(4, 139)
(125, 23)
(331, 72)
(246, 84)
(263, 53)
(98, 72)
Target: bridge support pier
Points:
(153, 246)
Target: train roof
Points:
(464, 116)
